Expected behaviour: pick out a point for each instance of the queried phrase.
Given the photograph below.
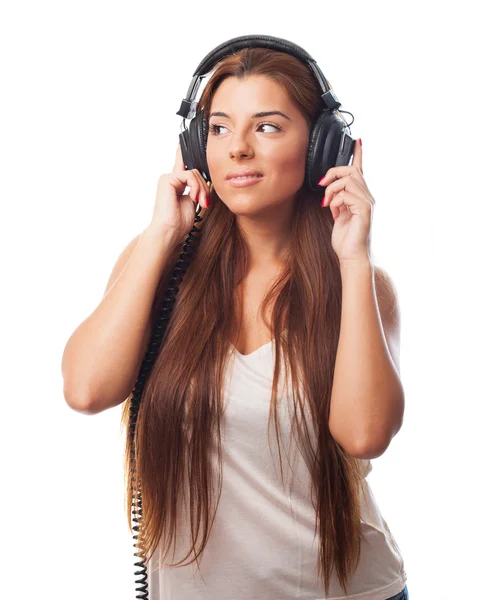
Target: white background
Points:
(88, 124)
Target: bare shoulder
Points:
(122, 261)
(389, 310)
(386, 292)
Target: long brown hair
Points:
(181, 410)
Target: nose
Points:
(240, 147)
(240, 150)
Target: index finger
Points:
(357, 157)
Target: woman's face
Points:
(274, 145)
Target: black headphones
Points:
(329, 144)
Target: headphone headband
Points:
(188, 106)
(330, 143)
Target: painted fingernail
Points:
(360, 140)
(322, 180)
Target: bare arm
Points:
(367, 404)
(102, 358)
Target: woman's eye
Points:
(215, 128)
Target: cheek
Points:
(292, 164)
(213, 162)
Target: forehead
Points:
(255, 92)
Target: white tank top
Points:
(262, 544)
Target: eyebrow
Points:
(255, 116)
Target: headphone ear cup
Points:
(323, 147)
(198, 133)
(203, 135)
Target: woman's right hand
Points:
(175, 211)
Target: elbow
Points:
(84, 409)
(377, 444)
(362, 450)
(375, 439)
(78, 403)
(370, 450)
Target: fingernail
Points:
(360, 140)
(322, 180)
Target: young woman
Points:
(282, 320)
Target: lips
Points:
(243, 182)
(243, 173)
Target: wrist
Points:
(357, 263)
(162, 233)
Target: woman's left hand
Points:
(351, 204)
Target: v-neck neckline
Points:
(257, 349)
(253, 352)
